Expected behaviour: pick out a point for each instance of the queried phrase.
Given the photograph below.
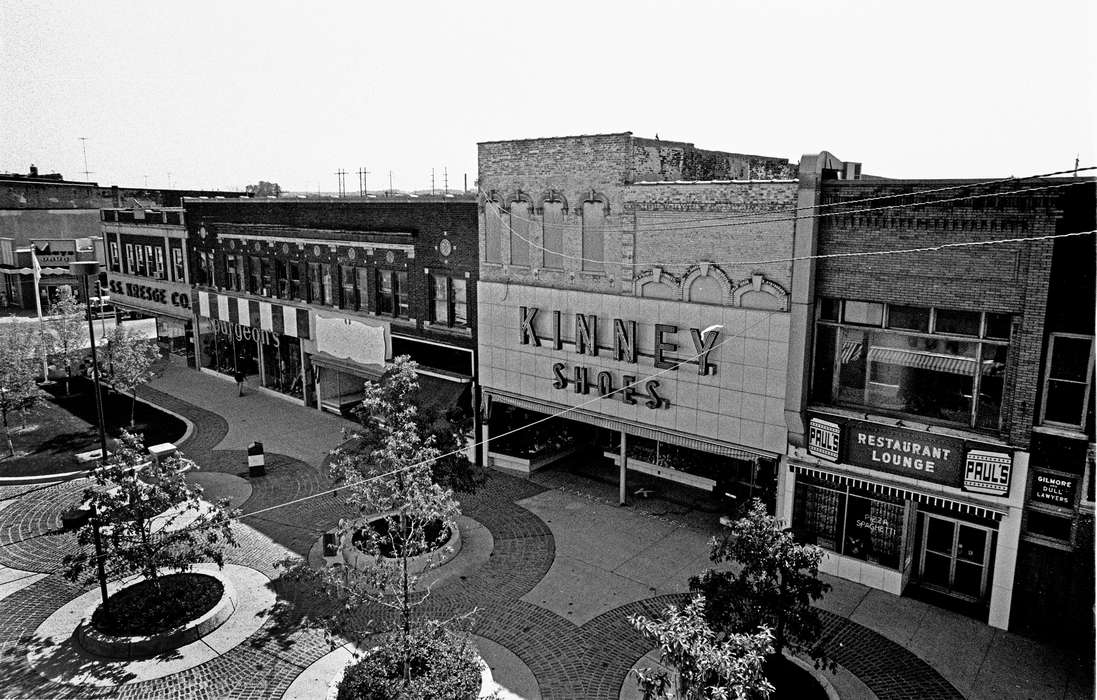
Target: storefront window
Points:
(914, 366)
(282, 366)
(849, 521)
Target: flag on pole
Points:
(37, 268)
(38, 307)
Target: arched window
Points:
(706, 290)
(493, 230)
(594, 249)
(519, 233)
(553, 218)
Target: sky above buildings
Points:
(222, 94)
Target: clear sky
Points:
(221, 94)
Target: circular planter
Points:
(487, 684)
(360, 560)
(133, 647)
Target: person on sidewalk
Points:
(239, 376)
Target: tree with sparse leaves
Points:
(66, 332)
(128, 359)
(401, 510)
(703, 665)
(264, 189)
(774, 582)
(18, 369)
(155, 518)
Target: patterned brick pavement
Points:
(569, 661)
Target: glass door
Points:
(955, 556)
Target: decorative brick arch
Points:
(592, 195)
(492, 196)
(757, 283)
(658, 276)
(551, 195)
(518, 196)
(707, 269)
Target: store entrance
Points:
(955, 557)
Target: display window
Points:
(849, 521)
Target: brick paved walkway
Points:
(569, 661)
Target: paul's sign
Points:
(585, 333)
(987, 472)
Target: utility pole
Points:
(390, 183)
(84, 147)
(342, 182)
(466, 183)
(363, 185)
(445, 180)
(432, 182)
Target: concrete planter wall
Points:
(117, 647)
(360, 560)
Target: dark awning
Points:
(372, 372)
(444, 394)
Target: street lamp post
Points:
(83, 269)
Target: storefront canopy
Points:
(443, 394)
(29, 271)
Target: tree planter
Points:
(487, 683)
(528, 465)
(362, 561)
(138, 646)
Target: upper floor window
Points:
(943, 364)
(115, 258)
(281, 278)
(1067, 379)
(255, 279)
(298, 281)
(594, 249)
(392, 293)
(316, 283)
(519, 233)
(177, 264)
(160, 271)
(348, 283)
(450, 297)
(362, 303)
(553, 222)
(233, 272)
(493, 231)
(205, 268)
(131, 264)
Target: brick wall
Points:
(420, 224)
(1005, 278)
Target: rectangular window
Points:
(849, 521)
(316, 284)
(362, 302)
(296, 286)
(230, 270)
(115, 260)
(594, 252)
(553, 221)
(441, 315)
(329, 286)
(384, 292)
(1067, 379)
(519, 233)
(400, 291)
(131, 265)
(177, 264)
(255, 267)
(493, 231)
(150, 269)
(460, 302)
(266, 277)
(957, 322)
(281, 278)
(159, 252)
(139, 252)
(904, 369)
(348, 282)
(211, 270)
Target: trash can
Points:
(256, 462)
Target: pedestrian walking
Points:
(239, 376)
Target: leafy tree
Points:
(388, 475)
(774, 583)
(128, 360)
(264, 189)
(155, 518)
(66, 332)
(705, 665)
(18, 369)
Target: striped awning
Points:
(283, 320)
(899, 492)
(644, 431)
(917, 359)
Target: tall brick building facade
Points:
(308, 299)
(920, 375)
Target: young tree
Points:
(705, 665)
(128, 360)
(387, 473)
(67, 331)
(156, 519)
(774, 585)
(18, 369)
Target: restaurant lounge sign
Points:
(582, 380)
(917, 454)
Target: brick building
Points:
(310, 298)
(915, 381)
(148, 272)
(609, 258)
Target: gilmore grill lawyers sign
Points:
(912, 453)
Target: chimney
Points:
(33, 170)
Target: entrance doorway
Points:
(955, 557)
